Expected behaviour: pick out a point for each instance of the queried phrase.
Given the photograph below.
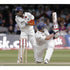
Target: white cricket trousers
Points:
(30, 36)
(49, 47)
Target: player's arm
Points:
(49, 36)
(46, 32)
(21, 23)
(41, 37)
(31, 17)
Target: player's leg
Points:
(20, 51)
(25, 50)
(34, 44)
(40, 51)
(49, 51)
(18, 61)
(23, 36)
(48, 55)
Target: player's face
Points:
(42, 30)
(20, 13)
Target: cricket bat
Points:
(55, 24)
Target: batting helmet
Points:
(40, 26)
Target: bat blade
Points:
(54, 15)
(55, 24)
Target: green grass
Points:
(59, 56)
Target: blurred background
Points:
(42, 13)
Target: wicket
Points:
(22, 54)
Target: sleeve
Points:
(30, 16)
(21, 23)
(46, 32)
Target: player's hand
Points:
(52, 32)
(57, 35)
(31, 22)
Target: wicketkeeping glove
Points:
(31, 22)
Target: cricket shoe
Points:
(21, 60)
(38, 62)
(18, 61)
(46, 61)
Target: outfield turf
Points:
(59, 58)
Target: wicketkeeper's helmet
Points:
(19, 9)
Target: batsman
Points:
(45, 40)
(25, 22)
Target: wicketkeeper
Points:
(25, 22)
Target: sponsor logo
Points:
(60, 42)
(6, 43)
